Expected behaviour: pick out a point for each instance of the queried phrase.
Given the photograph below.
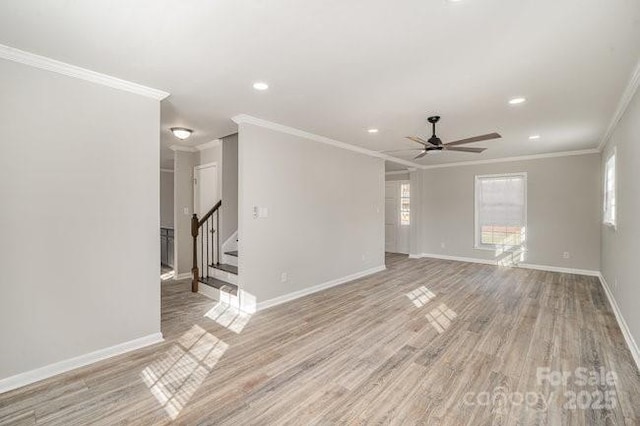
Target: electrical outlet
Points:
(284, 277)
(364, 257)
(442, 245)
(185, 210)
(566, 255)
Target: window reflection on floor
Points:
(420, 296)
(440, 318)
(175, 377)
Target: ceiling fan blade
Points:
(404, 150)
(422, 154)
(486, 137)
(463, 149)
(419, 140)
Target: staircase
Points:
(220, 279)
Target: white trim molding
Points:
(631, 343)
(587, 272)
(316, 288)
(51, 370)
(397, 172)
(244, 118)
(182, 148)
(207, 145)
(517, 158)
(183, 276)
(454, 258)
(623, 103)
(166, 170)
(495, 262)
(48, 64)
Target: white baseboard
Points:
(183, 276)
(316, 288)
(456, 258)
(51, 370)
(587, 272)
(631, 343)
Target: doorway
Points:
(205, 188)
(397, 216)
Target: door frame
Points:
(401, 230)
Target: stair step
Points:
(220, 285)
(233, 253)
(225, 267)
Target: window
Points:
(501, 210)
(405, 204)
(609, 216)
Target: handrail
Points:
(196, 224)
(209, 213)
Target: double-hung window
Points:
(501, 210)
(609, 214)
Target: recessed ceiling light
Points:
(516, 101)
(181, 132)
(372, 130)
(534, 137)
(259, 85)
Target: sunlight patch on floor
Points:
(229, 317)
(168, 275)
(420, 296)
(174, 378)
(440, 318)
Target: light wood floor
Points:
(406, 345)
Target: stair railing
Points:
(206, 239)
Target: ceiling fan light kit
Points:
(435, 143)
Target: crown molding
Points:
(509, 159)
(182, 148)
(244, 118)
(48, 64)
(207, 145)
(623, 103)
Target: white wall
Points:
(166, 199)
(79, 185)
(326, 212)
(621, 246)
(229, 208)
(184, 162)
(563, 209)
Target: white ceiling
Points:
(339, 67)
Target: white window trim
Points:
(610, 224)
(476, 242)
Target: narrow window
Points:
(501, 210)
(405, 204)
(609, 216)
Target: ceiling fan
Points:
(435, 144)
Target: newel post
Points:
(194, 269)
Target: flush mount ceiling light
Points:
(372, 130)
(516, 101)
(534, 137)
(181, 132)
(260, 85)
